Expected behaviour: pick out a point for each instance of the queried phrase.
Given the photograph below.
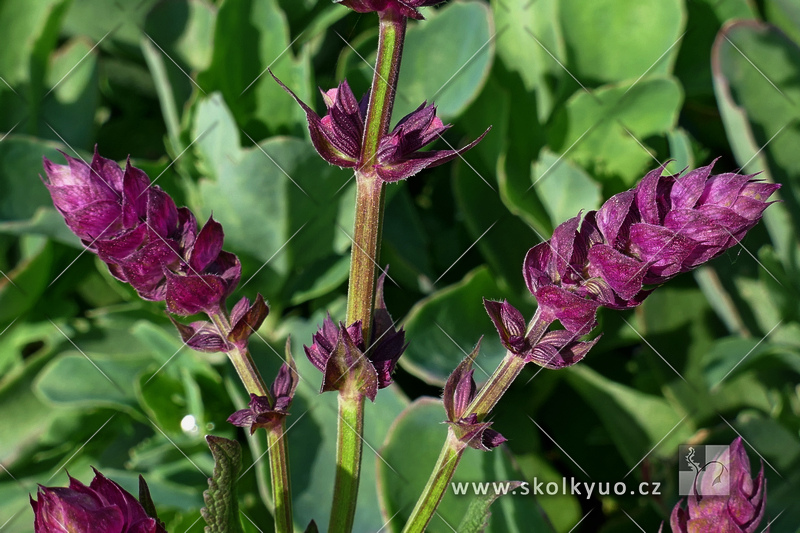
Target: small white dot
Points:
(189, 424)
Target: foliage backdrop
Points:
(584, 97)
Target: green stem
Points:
(348, 462)
(437, 484)
(279, 474)
(497, 385)
(369, 187)
(494, 389)
(241, 359)
(364, 259)
(276, 441)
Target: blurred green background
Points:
(584, 97)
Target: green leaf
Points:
(255, 99)
(531, 44)
(476, 519)
(69, 108)
(635, 421)
(604, 130)
(408, 456)
(221, 512)
(600, 32)
(20, 168)
(277, 201)
(758, 108)
(563, 187)
(105, 380)
(21, 288)
(786, 15)
(446, 59)
(443, 328)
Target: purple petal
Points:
(327, 147)
(207, 246)
(536, 266)
(162, 214)
(559, 349)
(202, 336)
(416, 162)
(509, 322)
(624, 274)
(247, 319)
(648, 200)
(688, 189)
(661, 247)
(189, 295)
(615, 213)
(575, 313)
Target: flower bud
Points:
(730, 501)
(102, 507)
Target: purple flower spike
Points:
(666, 225)
(135, 228)
(407, 8)
(263, 411)
(730, 502)
(338, 136)
(102, 507)
(459, 391)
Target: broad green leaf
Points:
(20, 168)
(69, 107)
(277, 201)
(184, 30)
(249, 37)
(408, 456)
(443, 328)
(636, 422)
(563, 187)
(446, 59)
(21, 288)
(221, 512)
(605, 130)
(105, 380)
(786, 15)
(758, 110)
(531, 43)
(26, 417)
(600, 32)
(113, 25)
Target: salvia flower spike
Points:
(407, 8)
(102, 507)
(731, 501)
(459, 391)
(145, 240)
(337, 137)
(641, 238)
(267, 411)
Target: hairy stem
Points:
(437, 484)
(279, 474)
(364, 260)
(348, 462)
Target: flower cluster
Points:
(145, 240)
(341, 354)
(459, 391)
(407, 8)
(728, 501)
(638, 238)
(102, 507)
(615, 256)
(338, 136)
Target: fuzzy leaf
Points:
(476, 519)
(221, 512)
